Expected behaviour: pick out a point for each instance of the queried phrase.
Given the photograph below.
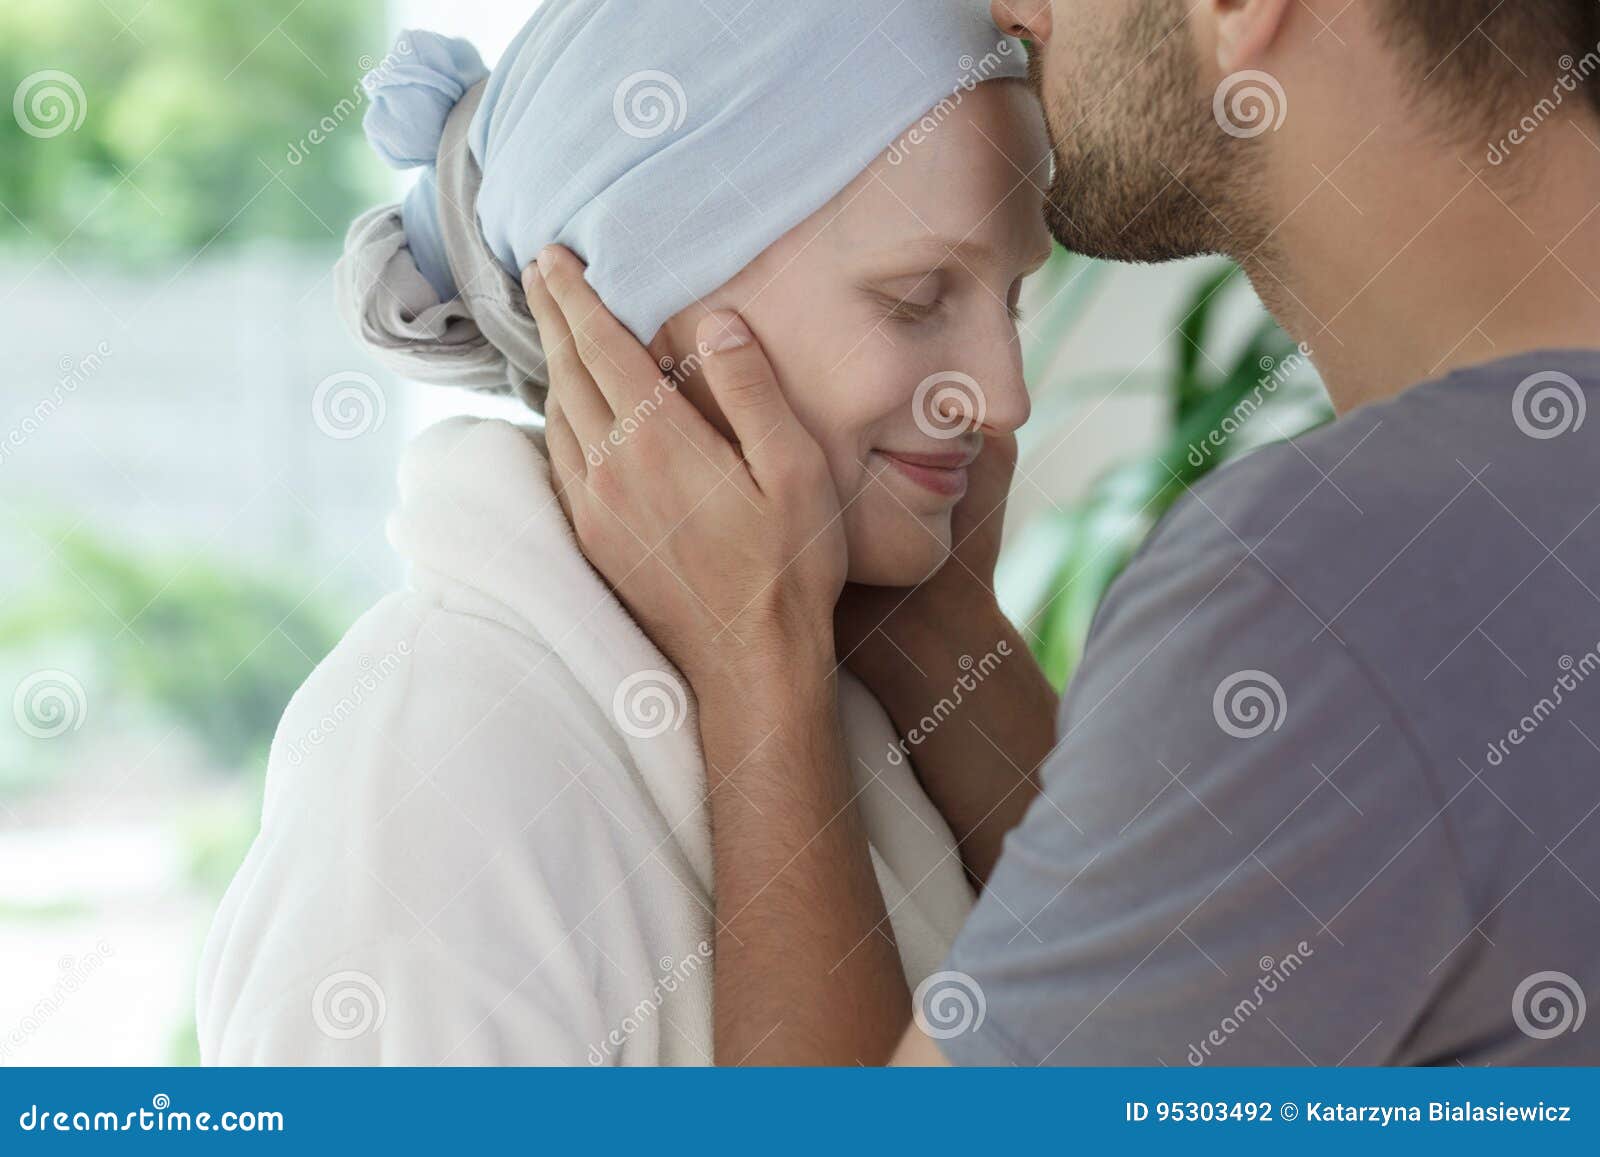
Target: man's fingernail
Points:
(722, 332)
(546, 260)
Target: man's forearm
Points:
(976, 713)
(807, 970)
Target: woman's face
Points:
(889, 316)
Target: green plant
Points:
(157, 129)
(1074, 554)
(213, 647)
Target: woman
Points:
(485, 836)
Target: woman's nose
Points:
(1027, 19)
(1008, 403)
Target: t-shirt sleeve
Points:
(1237, 858)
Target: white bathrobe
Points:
(485, 838)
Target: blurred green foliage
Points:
(189, 108)
(216, 648)
(1076, 552)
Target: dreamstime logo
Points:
(348, 1004)
(1249, 104)
(675, 373)
(1277, 373)
(374, 76)
(1548, 405)
(49, 103)
(75, 372)
(650, 104)
(973, 675)
(675, 975)
(372, 675)
(949, 405)
(1575, 73)
(948, 1005)
(973, 73)
(347, 405)
(1274, 975)
(1249, 703)
(1548, 1004)
(1574, 673)
(74, 974)
(49, 703)
(650, 703)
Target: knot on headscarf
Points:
(417, 284)
(666, 151)
(412, 94)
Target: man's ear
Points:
(1246, 30)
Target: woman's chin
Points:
(902, 560)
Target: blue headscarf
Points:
(669, 142)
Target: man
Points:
(1324, 789)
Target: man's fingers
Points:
(746, 388)
(567, 462)
(580, 398)
(623, 369)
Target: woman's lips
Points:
(942, 474)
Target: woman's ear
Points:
(1245, 31)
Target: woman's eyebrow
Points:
(940, 249)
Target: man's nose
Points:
(1027, 19)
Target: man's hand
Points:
(732, 559)
(729, 557)
(947, 642)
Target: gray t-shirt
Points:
(1328, 779)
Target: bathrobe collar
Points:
(479, 512)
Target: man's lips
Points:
(943, 473)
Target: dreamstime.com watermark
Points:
(1248, 704)
(650, 104)
(1277, 374)
(1577, 671)
(73, 373)
(49, 103)
(372, 77)
(948, 1004)
(373, 675)
(974, 71)
(650, 703)
(1274, 974)
(48, 704)
(674, 975)
(976, 673)
(1250, 104)
(1575, 73)
(1549, 405)
(348, 1004)
(949, 405)
(73, 974)
(1548, 1004)
(160, 1117)
(348, 404)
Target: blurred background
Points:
(196, 463)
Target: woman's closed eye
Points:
(925, 302)
(909, 299)
(907, 311)
(1014, 301)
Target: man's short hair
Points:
(1498, 56)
